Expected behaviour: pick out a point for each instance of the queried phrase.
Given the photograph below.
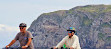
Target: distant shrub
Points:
(108, 38)
(106, 25)
(101, 36)
(87, 21)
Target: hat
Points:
(71, 29)
(22, 25)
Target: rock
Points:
(92, 23)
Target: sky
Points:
(14, 12)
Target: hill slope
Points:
(92, 23)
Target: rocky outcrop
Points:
(92, 23)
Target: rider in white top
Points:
(71, 40)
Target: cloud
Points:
(8, 28)
(7, 33)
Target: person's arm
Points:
(60, 44)
(28, 43)
(76, 43)
(12, 42)
(30, 37)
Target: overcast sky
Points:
(13, 12)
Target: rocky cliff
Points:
(92, 23)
